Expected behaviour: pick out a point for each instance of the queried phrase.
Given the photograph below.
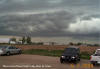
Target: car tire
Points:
(79, 59)
(61, 61)
(8, 53)
(19, 52)
(94, 64)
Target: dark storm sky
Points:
(50, 18)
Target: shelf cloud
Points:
(50, 18)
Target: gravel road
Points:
(40, 62)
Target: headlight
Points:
(63, 56)
(73, 57)
(1, 51)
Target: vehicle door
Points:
(15, 50)
(97, 55)
(11, 50)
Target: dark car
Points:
(70, 54)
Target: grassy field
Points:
(88, 49)
(55, 53)
(55, 50)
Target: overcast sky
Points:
(50, 18)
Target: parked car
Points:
(70, 54)
(8, 50)
(95, 58)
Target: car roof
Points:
(73, 47)
(98, 49)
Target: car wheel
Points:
(94, 64)
(20, 52)
(79, 59)
(8, 53)
(61, 61)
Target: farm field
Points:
(88, 49)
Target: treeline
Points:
(23, 40)
(83, 44)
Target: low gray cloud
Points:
(47, 18)
(90, 16)
(44, 24)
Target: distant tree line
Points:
(83, 44)
(24, 40)
(27, 40)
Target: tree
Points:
(96, 45)
(79, 43)
(40, 43)
(23, 40)
(13, 39)
(71, 43)
(28, 40)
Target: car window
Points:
(14, 48)
(71, 50)
(78, 50)
(11, 48)
(3, 46)
(97, 53)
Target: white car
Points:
(95, 58)
(8, 50)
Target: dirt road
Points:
(40, 62)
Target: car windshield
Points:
(98, 53)
(3, 47)
(70, 50)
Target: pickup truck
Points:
(70, 54)
(95, 58)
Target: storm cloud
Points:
(50, 18)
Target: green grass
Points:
(85, 55)
(55, 53)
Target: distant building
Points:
(7, 40)
(46, 43)
(4, 40)
(50, 43)
(12, 42)
(19, 42)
